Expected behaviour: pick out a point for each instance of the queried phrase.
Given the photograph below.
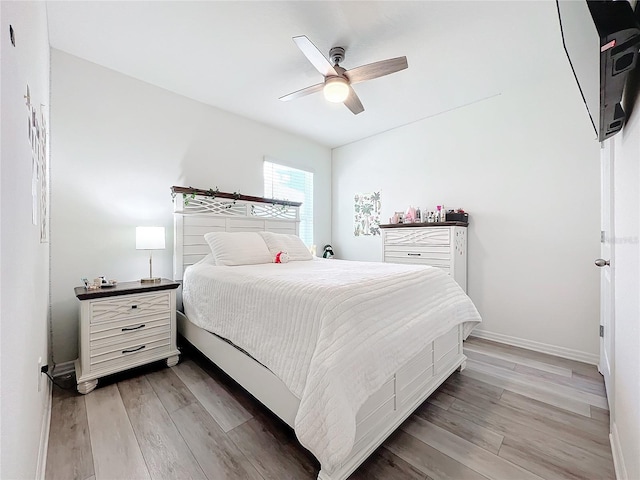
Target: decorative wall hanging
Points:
(367, 214)
(37, 134)
(43, 164)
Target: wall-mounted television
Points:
(601, 39)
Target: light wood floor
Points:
(512, 414)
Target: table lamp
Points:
(150, 238)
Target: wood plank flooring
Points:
(511, 414)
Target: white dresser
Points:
(442, 245)
(125, 326)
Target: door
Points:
(606, 264)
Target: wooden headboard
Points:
(197, 212)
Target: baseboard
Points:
(44, 435)
(539, 347)
(616, 450)
(63, 369)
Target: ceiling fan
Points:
(337, 81)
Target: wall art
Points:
(367, 214)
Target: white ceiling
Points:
(239, 56)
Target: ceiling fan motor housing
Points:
(336, 54)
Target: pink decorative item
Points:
(282, 257)
(410, 216)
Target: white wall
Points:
(625, 421)
(24, 261)
(118, 145)
(526, 166)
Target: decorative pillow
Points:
(292, 244)
(238, 248)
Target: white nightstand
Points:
(124, 326)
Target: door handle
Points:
(602, 263)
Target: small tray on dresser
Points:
(425, 224)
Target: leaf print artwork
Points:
(367, 208)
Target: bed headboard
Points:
(197, 212)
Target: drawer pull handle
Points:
(414, 254)
(133, 349)
(128, 329)
(134, 306)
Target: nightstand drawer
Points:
(129, 306)
(98, 331)
(138, 333)
(126, 352)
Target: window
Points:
(286, 183)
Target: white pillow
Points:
(292, 244)
(238, 248)
(207, 260)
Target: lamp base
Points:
(151, 280)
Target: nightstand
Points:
(125, 326)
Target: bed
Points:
(342, 352)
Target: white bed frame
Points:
(383, 412)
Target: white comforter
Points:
(333, 331)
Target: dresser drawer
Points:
(444, 264)
(129, 306)
(435, 253)
(418, 236)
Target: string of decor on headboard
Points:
(190, 193)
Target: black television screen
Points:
(601, 39)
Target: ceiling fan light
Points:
(336, 89)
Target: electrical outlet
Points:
(39, 373)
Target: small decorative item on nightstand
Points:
(150, 238)
(125, 326)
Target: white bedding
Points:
(333, 331)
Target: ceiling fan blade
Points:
(303, 93)
(376, 69)
(314, 55)
(353, 103)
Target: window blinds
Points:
(286, 183)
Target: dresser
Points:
(125, 326)
(442, 245)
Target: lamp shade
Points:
(150, 238)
